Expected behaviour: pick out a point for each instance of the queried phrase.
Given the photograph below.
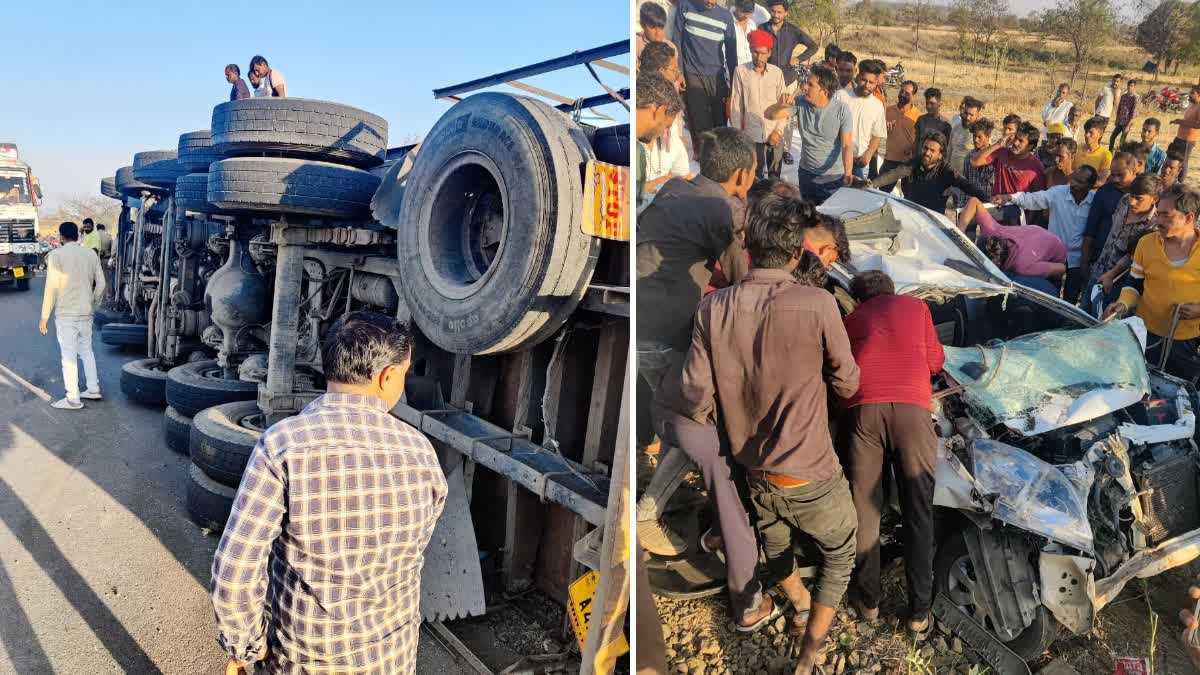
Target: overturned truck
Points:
(503, 238)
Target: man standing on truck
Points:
(74, 286)
(319, 568)
(272, 80)
(239, 90)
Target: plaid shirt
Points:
(339, 503)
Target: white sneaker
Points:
(67, 404)
(92, 395)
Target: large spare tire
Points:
(177, 431)
(192, 387)
(145, 382)
(130, 186)
(612, 144)
(196, 151)
(191, 193)
(492, 255)
(104, 315)
(157, 167)
(299, 127)
(108, 188)
(223, 438)
(286, 185)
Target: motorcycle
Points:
(895, 75)
(1169, 100)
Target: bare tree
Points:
(917, 13)
(76, 208)
(978, 23)
(1166, 31)
(1086, 25)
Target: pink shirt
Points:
(1031, 250)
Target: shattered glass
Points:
(1031, 494)
(1041, 382)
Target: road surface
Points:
(100, 569)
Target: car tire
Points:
(130, 186)
(220, 443)
(124, 334)
(108, 188)
(208, 502)
(299, 127)
(191, 193)
(286, 185)
(177, 431)
(192, 387)
(1032, 642)
(478, 281)
(157, 167)
(144, 381)
(105, 315)
(196, 152)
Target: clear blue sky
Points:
(90, 83)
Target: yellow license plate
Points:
(606, 212)
(582, 591)
(18, 272)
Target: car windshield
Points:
(14, 188)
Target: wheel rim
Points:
(254, 421)
(963, 589)
(467, 221)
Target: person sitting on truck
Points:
(256, 85)
(233, 75)
(272, 79)
(74, 286)
(342, 481)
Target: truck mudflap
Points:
(999, 657)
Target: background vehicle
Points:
(20, 195)
(1168, 100)
(501, 237)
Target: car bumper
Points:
(1148, 563)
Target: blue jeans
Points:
(815, 192)
(1036, 283)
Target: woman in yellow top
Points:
(1165, 274)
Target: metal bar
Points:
(540, 92)
(573, 59)
(616, 68)
(593, 101)
(452, 643)
(285, 319)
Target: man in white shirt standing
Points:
(870, 119)
(747, 17)
(1057, 108)
(74, 286)
(272, 79)
(757, 86)
(1106, 100)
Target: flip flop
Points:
(719, 551)
(776, 612)
(799, 623)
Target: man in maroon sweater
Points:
(888, 422)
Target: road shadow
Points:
(16, 632)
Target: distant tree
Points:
(917, 14)
(1168, 32)
(978, 23)
(823, 19)
(1086, 25)
(77, 207)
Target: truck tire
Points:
(492, 255)
(130, 186)
(124, 334)
(221, 442)
(144, 381)
(299, 127)
(611, 144)
(177, 430)
(195, 151)
(208, 502)
(108, 188)
(192, 387)
(1032, 642)
(191, 193)
(105, 315)
(157, 167)
(286, 185)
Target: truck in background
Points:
(20, 196)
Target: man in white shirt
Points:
(1057, 108)
(272, 79)
(757, 86)
(962, 141)
(747, 17)
(870, 119)
(74, 286)
(666, 155)
(1106, 100)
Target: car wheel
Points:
(223, 437)
(492, 254)
(285, 185)
(192, 387)
(954, 578)
(124, 334)
(144, 381)
(208, 502)
(177, 430)
(298, 127)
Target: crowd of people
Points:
(265, 80)
(745, 348)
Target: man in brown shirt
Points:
(762, 350)
(901, 131)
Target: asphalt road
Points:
(100, 569)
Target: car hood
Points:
(922, 251)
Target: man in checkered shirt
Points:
(319, 568)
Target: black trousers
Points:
(1073, 284)
(1118, 130)
(1183, 361)
(770, 159)
(704, 101)
(899, 435)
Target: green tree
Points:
(1086, 25)
(978, 23)
(823, 19)
(1168, 33)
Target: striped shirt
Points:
(707, 40)
(319, 568)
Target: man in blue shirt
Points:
(706, 38)
(1158, 156)
(233, 75)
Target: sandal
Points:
(718, 551)
(775, 613)
(799, 624)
